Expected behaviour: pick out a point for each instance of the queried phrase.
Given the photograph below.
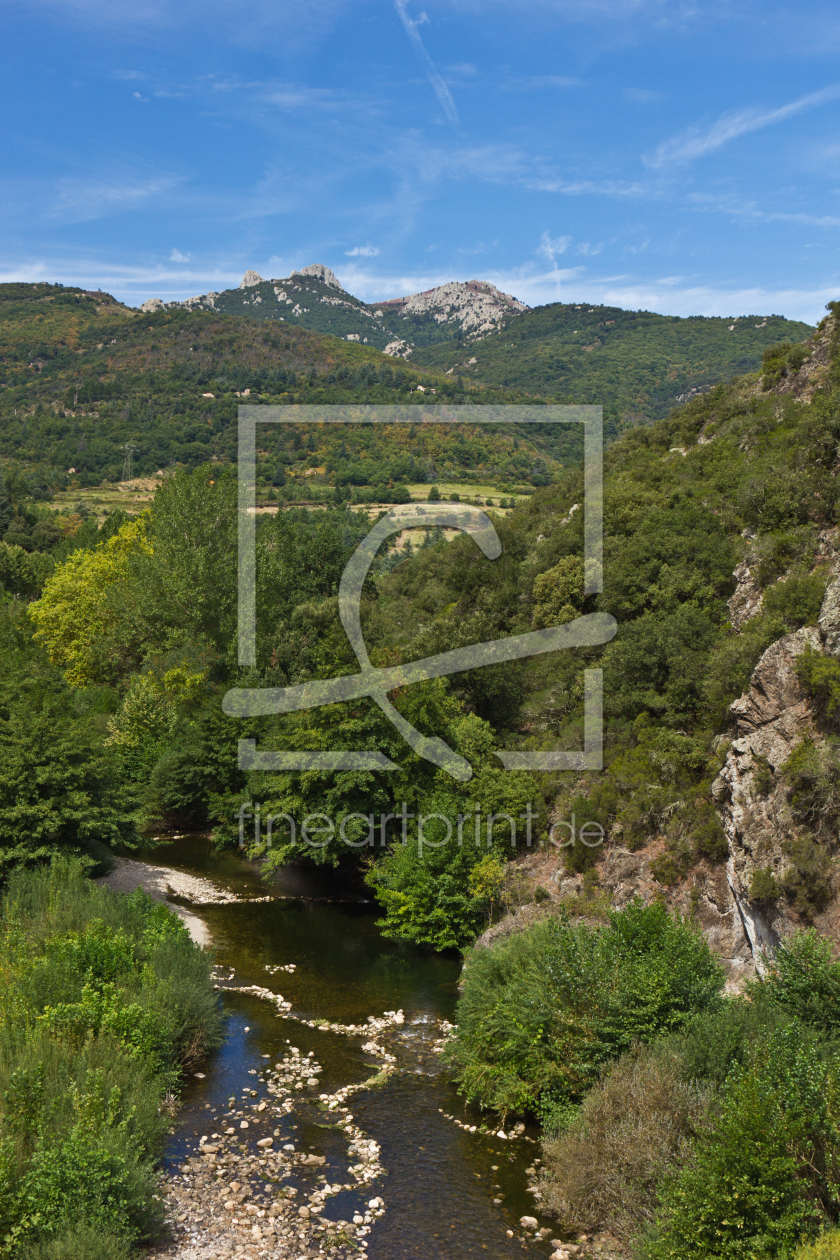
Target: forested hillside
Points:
(82, 375)
(636, 364)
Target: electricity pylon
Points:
(129, 451)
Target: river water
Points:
(439, 1183)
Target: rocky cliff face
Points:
(743, 906)
(753, 798)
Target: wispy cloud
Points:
(441, 90)
(642, 96)
(749, 210)
(695, 142)
(80, 200)
(534, 82)
(551, 247)
(177, 256)
(362, 251)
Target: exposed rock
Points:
(152, 304)
(812, 375)
(772, 717)
(318, 272)
(479, 307)
(746, 601)
(250, 279)
(398, 349)
(829, 619)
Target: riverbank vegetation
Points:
(105, 999)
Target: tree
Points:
(75, 617)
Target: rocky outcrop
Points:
(476, 305)
(771, 719)
(319, 272)
(398, 349)
(250, 279)
(745, 602)
(803, 383)
(153, 304)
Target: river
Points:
(449, 1194)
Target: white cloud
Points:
(441, 90)
(177, 256)
(550, 247)
(695, 142)
(362, 251)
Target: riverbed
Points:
(447, 1193)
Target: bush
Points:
(634, 1127)
(826, 1247)
(804, 981)
(543, 1011)
(768, 1173)
(104, 996)
(797, 600)
(820, 676)
(764, 887)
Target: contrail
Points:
(694, 143)
(441, 90)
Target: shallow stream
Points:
(438, 1182)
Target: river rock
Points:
(529, 1222)
(266, 1142)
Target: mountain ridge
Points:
(637, 364)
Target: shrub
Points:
(826, 1247)
(768, 1173)
(764, 887)
(104, 996)
(634, 1127)
(542, 1011)
(797, 600)
(804, 981)
(820, 676)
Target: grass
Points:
(104, 998)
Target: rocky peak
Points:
(250, 279)
(318, 271)
(478, 306)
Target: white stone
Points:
(250, 279)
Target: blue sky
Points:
(677, 155)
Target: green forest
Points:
(715, 1116)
